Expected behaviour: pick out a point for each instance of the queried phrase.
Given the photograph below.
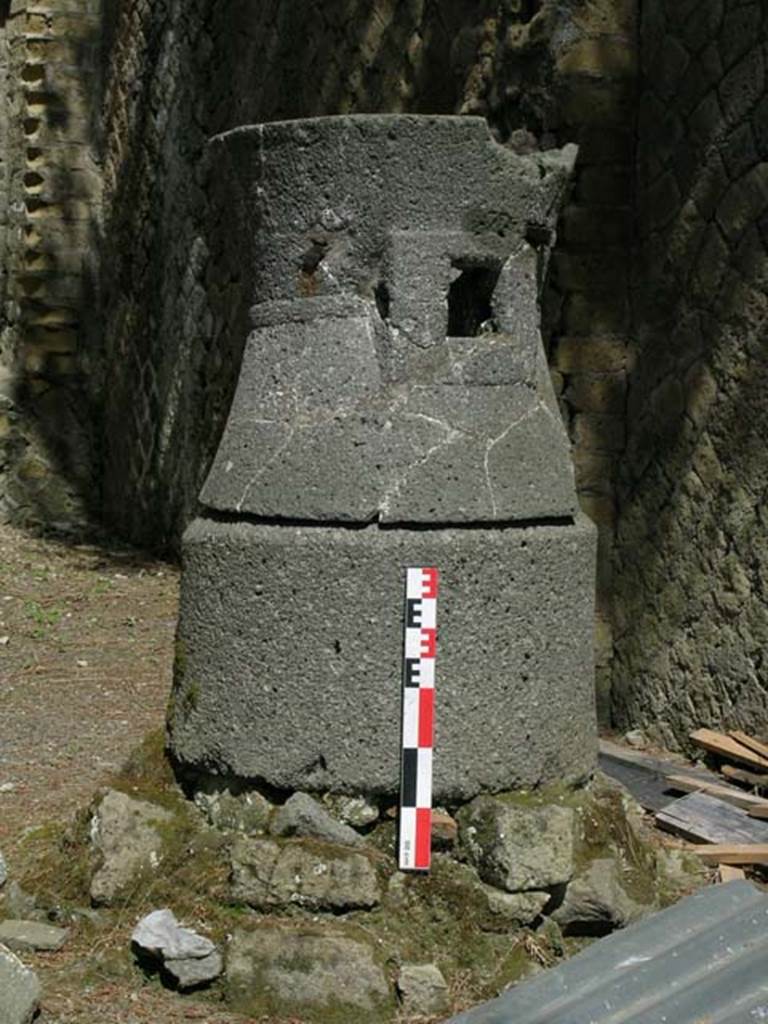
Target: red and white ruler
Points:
(420, 648)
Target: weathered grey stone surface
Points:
(126, 841)
(515, 908)
(352, 810)
(394, 375)
(19, 990)
(595, 900)
(517, 846)
(269, 875)
(296, 973)
(190, 972)
(302, 815)
(3, 871)
(318, 706)
(246, 812)
(691, 547)
(190, 959)
(352, 404)
(422, 989)
(17, 902)
(316, 431)
(24, 936)
(344, 185)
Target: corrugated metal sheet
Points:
(703, 961)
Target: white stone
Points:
(161, 935)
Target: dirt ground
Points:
(86, 641)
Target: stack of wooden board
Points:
(733, 834)
(728, 823)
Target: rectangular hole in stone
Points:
(469, 300)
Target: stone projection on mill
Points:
(393, 408)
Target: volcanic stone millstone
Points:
(296, 634)
(394, 376)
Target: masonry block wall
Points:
(50, 188)
(691, 581)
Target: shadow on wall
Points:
(692, 553)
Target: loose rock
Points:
(595, 901)
(352, 810)
(246, 812)
(18, 903)
(25, 936)
(301, 815)
(422, 989)
(274, 971)
(3, 871)
(267, 876)
(516, 909)
(19, 990)
(125, 837)
(519, 846)
(190, 959)
(189, 973)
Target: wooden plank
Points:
(729, 873)
(666, 766)
(744, 775)
(706, 819)
(749, 741)
(730, 794)
(725, 746)
(647, 777)
(733, 853)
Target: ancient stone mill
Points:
(393, 409)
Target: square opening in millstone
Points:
(470, 297)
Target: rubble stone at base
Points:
(284, 972)
(126, 839)
(268, 876)
(19, 990)
(422, 989)
(519, 847)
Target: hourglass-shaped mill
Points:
(394, 409)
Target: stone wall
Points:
(691, 597)
(49, 107)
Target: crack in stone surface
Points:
(267, 465)
(491, 444)
(451, 434)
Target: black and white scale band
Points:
(420, 649)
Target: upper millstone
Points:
(394, 371)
